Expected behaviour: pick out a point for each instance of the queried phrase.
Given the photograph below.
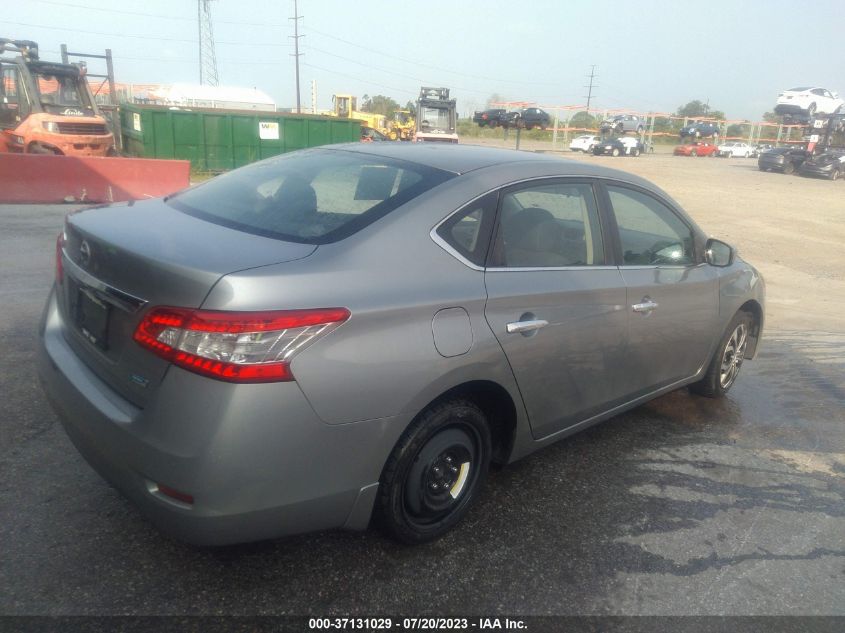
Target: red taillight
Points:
(235, 346)
(60, 269)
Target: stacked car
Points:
(584, 143)
(736, 150)
(829, 164)
(622, 146)
(782, 159)
(698, 148)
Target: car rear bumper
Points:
(789, 108)
(258, 467)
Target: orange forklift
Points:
(47, 107)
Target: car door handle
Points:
(646, 306)
(526, 326)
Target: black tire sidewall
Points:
(391, 509)
(710, 385)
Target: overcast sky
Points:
(650, 55)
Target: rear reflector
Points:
(247, 347)
(184, 497)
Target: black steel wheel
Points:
(435, 472)
(724, 367)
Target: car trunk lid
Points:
(121, 260)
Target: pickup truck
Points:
(489, 118)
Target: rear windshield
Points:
(312, 196)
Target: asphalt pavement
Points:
(681, 506)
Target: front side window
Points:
(549, 226)
(650, 233)
(312, 196)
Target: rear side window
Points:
(650, 233)
(313, 196)
(468, 231)
(549, 226)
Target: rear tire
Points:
(435, 472)
(726, 362)
(788, 168)
(615, 151)
(693, 153)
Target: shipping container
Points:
(218, 140)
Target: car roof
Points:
(461, 159)
(458, 159)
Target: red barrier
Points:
(46, 178)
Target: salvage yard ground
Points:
(682, 506)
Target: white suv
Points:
(808, 101)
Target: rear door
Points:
(672, 295)
(555, 305)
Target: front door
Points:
(673, 296)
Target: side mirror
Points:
(717, 253)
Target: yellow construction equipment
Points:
(345, 107)
(402, 126)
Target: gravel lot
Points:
(682, 506)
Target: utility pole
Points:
(589, 96)
(296, 18)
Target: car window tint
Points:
(468, 231)
(549, 226)
(650, 233)
(312, 196)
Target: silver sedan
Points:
(351, 331)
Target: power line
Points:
(140, 37)
(149, 15)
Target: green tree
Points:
(771, 117)
(583, 119)
(379, 104)
(698, 108)
(412, 108)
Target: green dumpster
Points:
(217, 140)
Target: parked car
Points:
(783, 159)
(369, 134)
(623, 123)
(807, 101)
(489, 118)
(699, 148)
(529, 118)
(735, 149)
(829, 164)
(291, 346)
(703, 129)
(584, 143)
(625, 146)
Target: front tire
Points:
(435, 472)
(788, 168)
(694, 153)
(834, 175)
(726, 362)
(615, 151)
